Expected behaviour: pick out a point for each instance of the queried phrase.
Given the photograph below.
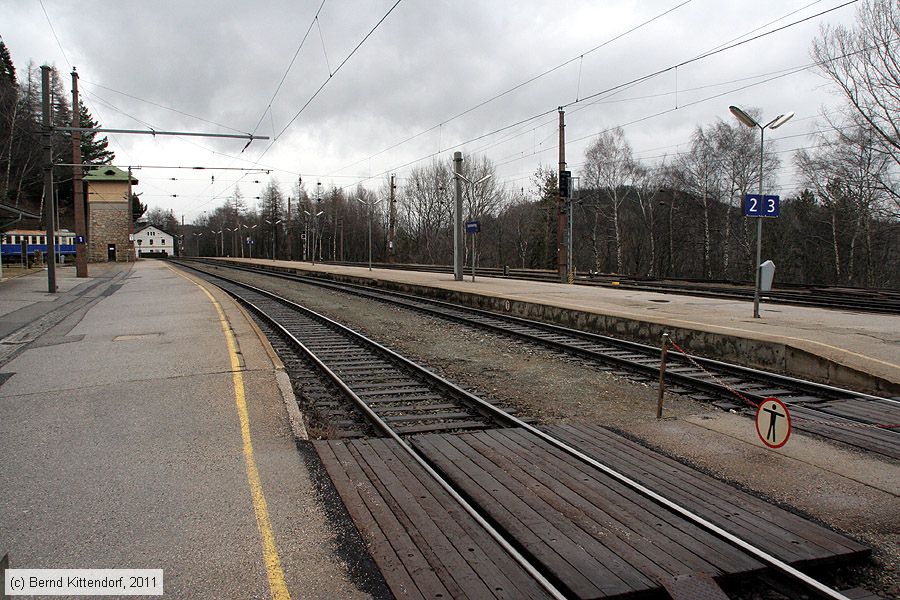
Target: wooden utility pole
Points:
(561, 203)
(392, 222)
(49, 216)
(81, 268)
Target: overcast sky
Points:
(429, 60)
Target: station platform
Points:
(145, 423)
(855, 350)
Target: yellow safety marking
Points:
(274, 572)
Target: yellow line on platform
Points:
(274, 572)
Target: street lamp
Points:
(775, 123)
(370, 205)
(231, 230)
(315, 220)
(250, 228)
(222, 236)
(274, 230)
(198, 236)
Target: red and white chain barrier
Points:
(738, 394)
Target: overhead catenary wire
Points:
(331, 75)
(53, 30)
(517, 86)
(483, 136)
(625, 85)
(629, 83)
(290, 66)
(708, 54)
(430, 155)
(66, 58)
(276, 137)
(158, 105)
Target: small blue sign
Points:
(473, 226)
(79, 239)
(756, 205)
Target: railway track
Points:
(855, 419)
(876, 300)
(336, 360)
(418, 492)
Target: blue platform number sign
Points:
(756, 205)
(473, 226)
(79, 239)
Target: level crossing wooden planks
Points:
(590, 534)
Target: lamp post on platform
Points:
(249, 229)
(315, 220)
(274, 232)
(775, 123)
(222, 238)
(230, 230)
(370, 205)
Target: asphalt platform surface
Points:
(121, 442)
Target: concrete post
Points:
(562, 263)
(458, 238)
(50, 217)
(81, 268)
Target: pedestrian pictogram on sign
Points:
(773, 418)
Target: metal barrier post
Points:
(662, 375)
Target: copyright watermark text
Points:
(84, 582)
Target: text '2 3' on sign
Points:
(756, 205)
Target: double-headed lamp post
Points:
(221, 234)
(370, 205)
(249, 229)
(773, 124)
(315, 220)
(274, 232)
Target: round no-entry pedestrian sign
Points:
(773, 423)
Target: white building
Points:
(152, 242)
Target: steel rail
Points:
(379, 294)
(765, 557)
(813, 423)
(498, 537)
(788, 296)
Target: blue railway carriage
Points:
(32, 241)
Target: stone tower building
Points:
(109, 214)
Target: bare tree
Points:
(700, 175)
(738, 150)
(646, 187)
(427, 211)
(846, 172)
(862, 61)
(610, 167)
